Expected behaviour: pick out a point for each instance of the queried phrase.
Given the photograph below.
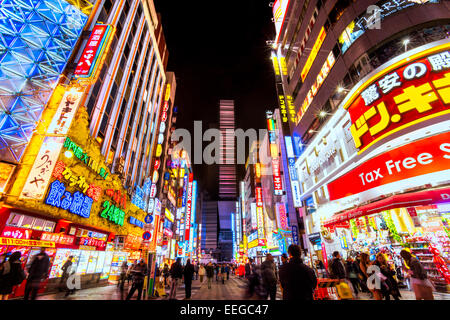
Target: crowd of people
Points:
(296, 280)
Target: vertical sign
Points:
(188, 208)
(42, 169)
(90, 54)
(66, 111)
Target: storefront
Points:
(375, 178)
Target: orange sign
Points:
(26, 243)
(314, 52)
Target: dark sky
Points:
(218, 50)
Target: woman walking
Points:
(422, 286)
(11, 274)
(390, 285)
(201, 272)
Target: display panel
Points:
(106, 265)
(83, 263)
(100, 262)
(92, 264)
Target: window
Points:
(49, 226)
(38, 224)
(14, 219)
(26, 222)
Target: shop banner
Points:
(397, 201)
(58, 238)
(405, 93)
(42, 169)
(66, 112)
(16, 233)
(415, 159)
(26, 243)
(90, 53)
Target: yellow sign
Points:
(169, 215)
(276, 66)
(314, 52)
(26, 243)
(253, 244)
(167, 97)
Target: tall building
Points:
(124, 104)
(210, 227)
(227, 164)
(362, 84)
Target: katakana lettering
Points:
(384, 120)
(77, 203)
(443, 87)
(418, 98)
(36, 180)
(57, 190)
(414, 70)
(67, 201)
(370, 94)
(389, 82)
(440, 61)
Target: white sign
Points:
(295, 186)
(254, 218)
(42, 169)
(66, 111)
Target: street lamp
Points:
(405, 43)
(341, 89)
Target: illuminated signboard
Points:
(368, 20)
(296, 193)
(42, 169)
(253, 215)
(76, 203)
(112, 213)
(169, 215)
(58, 238)
(26, 243)
(283, 110)
(279, 15)
(323, 74)
(408, 92)
(157, 210)
(66, 111)
(282, 216)
(85, 158)
(277, 182)
(16, 233)
(314, 51)
(136, 222)
(276, 65)
(37, 42)
(94, 53)
(188, 208)
(415, 159)
(260, 215)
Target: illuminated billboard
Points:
(39, 46)
(409, 91)
(279, 15)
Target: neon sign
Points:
(113, 213)
(314, 51)
(136, 222)
(75, 203)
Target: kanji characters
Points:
(59, 169)
(94, 192)
(389, 82)
(67, 201)
(57, 190)
(77, 203)
(370, 94)
(86, 207)
(418, 98)
(440, 61)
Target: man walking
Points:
(176, 272)
(269, 276)
(297, 279)
(209, 274)
(139, 271)
(37, 272)
(248, 268)
(188, 273)
(337, 267)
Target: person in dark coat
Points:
(337, 267)
(166, 273)
(188, 272)
(11, 274)
(248, 268)
(139, 272)
(37, 272)
(227, 270)
(176, 272)
(390, 286)
(209, 273)
(269, 276)
(297, 279)
(67, 271)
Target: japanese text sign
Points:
(410, 92)
(86, 63)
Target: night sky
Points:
(218, 50)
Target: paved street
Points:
(233, 289)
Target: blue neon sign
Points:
(76, 203)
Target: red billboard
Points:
(405, 93)
(415, 159)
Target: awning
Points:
(420, 198)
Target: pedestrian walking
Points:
(256, 289)
(138, 272)
(248, 268)
(201, 272)
(166, 273)
(352, 271)
(11, 274)
(123, 275)
(188, 273)
(222, 273)
(37, 272)
(337, 267)
(227, 270)
(389, 285)
(422, 286)
(297, 279)
(67, 270)
(176, 273)
(196, 267)
(269, 276)
(209, 273)
(217, 266)
(363, 276)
